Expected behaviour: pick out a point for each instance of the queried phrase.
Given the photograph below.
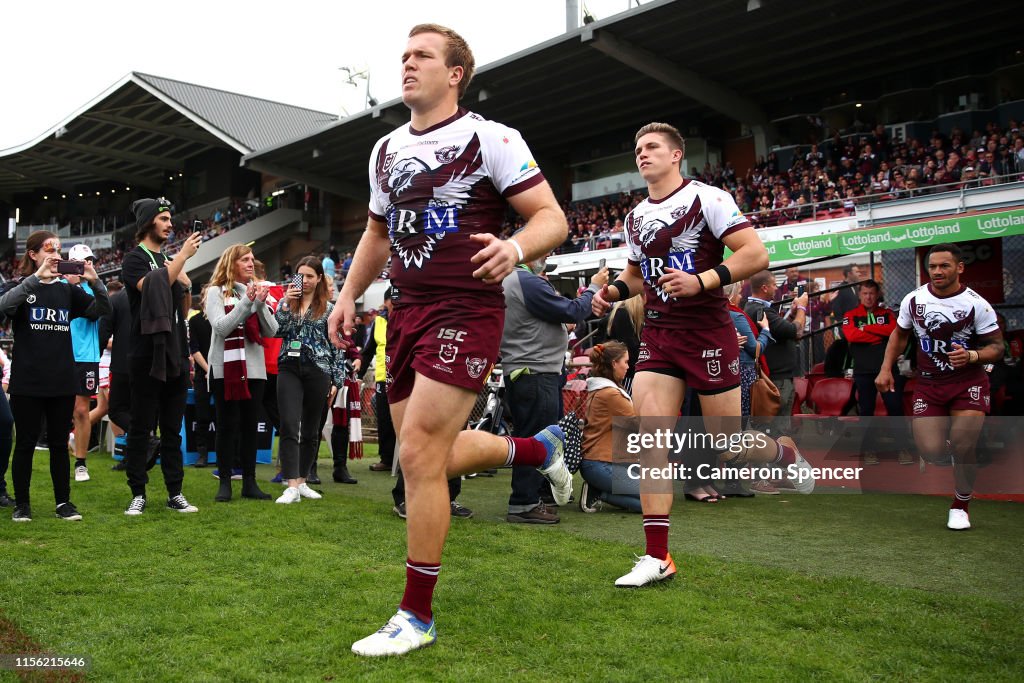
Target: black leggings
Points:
(6, 434)
(301, 394)
(237, 422)
(28, 415)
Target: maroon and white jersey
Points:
(436, 187)
(683, 231)
(938, 321)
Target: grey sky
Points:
(56, 56)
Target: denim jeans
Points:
(615, 485)
(533, 403)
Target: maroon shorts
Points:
(707, 360)
(936, 397)
(455, 341)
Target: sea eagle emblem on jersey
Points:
(447, 155)
(402, 173)
(425, 202)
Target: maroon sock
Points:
(528, 451)
(786, 455)
(420, 579)
(960, 501)
(656, 531)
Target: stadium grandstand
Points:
(152, 136)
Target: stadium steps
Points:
(266, 232)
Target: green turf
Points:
(783, 587)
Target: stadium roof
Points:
(687, 63)
(144, 126)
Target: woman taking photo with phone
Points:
(43, 380)
(310, 370)
(237, 309)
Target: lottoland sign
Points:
(906, 236)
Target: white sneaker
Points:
(958, 520)
(290, 495)
(307, 492)
(402, 633)
(647, 570)
(556, 471)
(804, 481)
(81, 473)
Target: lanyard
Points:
(871, 318)
(152, 259)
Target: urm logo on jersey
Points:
(423, 203)
(59, 316)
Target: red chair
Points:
(832, 396)
(812, 379)
(818, 369)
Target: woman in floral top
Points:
(310, 371)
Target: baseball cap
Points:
(80, 252)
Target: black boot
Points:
(339, 452)
(341, 475)
(251, 490)
(313, 478)
(201, 460)
(224, 492)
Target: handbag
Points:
(765, 398)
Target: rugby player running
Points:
(676, 241)
(439, 189)
(957, 334)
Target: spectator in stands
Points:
(200, 334)
(310, 371)
(43, 378)
(782, 355)
(236, 306)
(794, 284)
(846, 299)
(329, 266)
(866, 328)
(605, 478)
(286, 271)
(158, 292)
(533, 357)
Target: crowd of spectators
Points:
(829, 179)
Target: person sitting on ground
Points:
(605, 479)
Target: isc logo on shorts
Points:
(454, 335)
(919, 406)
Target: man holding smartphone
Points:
(158, 362)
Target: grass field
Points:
(828, 587)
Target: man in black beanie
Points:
(156, 401)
